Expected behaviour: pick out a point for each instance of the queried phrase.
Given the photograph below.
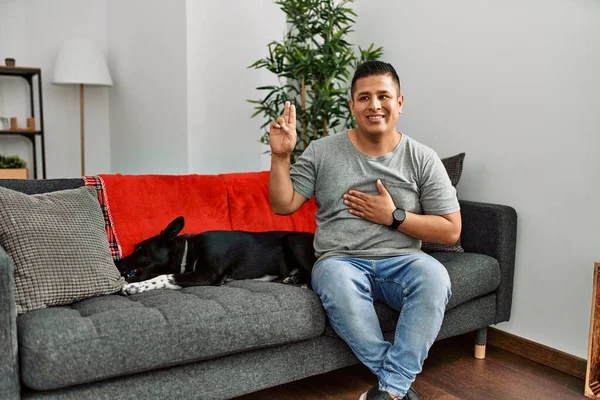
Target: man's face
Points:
(376, 104)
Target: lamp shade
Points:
(80, 61)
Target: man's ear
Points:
(351, 105)
(400, 103)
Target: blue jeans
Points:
(416, 285)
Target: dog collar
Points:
(184, 258)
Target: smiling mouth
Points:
(375, 118)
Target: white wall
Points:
(149, 127)
(32, 31)
(515, 85)
(224, 38)
(181, 83)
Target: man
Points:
(379, 194)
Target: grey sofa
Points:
(222, 342)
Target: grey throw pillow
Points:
(58, 243)
(454, 167)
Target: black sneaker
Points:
(375, 394)
(411, 394)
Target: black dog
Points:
(214, 257)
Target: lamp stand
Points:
(82, 124)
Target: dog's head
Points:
(153, 256)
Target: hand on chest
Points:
(330, 192)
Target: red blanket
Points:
(137, 207)
(250, 210)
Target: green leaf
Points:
(315, 48)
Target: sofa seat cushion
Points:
(472, 275)
(114, 335)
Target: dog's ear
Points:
(173, 229)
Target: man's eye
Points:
(363, 98)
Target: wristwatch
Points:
(399, 215)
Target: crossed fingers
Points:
(288, 119)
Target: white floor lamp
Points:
(81, 62)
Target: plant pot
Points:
(13, 173)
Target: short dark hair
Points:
(370, 68)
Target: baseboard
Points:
(556, 359)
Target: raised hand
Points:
(282, 132)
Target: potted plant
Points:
(12, 167)
(314, 65)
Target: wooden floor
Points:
(450, 372)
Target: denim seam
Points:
(396, 281)
(386, 375)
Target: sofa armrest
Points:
(491, 229)
(9, 356)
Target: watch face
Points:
(399, 215)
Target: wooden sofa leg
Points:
(480, 342)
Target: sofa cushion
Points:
(471, 275)
(250, 210)
(115, 335)
(454, 167)
(59, 247)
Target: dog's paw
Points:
(131, 288)
(291, 280)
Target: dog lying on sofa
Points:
(172, 261)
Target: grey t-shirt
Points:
(412, 173)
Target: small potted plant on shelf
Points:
(12, 167)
